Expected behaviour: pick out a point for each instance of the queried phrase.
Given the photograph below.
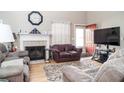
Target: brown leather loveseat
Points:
(65, 52)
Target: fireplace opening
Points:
(36, 52)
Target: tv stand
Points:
(101, 55)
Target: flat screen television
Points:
(107, 36)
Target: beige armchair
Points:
(10, 56)
(12, 73)
(12, 70)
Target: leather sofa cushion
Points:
(73, 53)
(59, 47)
(64, 54)
(69, 47)
(64, 47)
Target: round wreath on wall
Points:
(35, 18)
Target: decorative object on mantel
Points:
(35, 18)
(35, 31)
(22, 32)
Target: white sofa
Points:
(111, 71)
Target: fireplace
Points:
(36, 52)
(32, 40)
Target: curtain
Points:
(89, 38)
(89, 34)
(60, 33)
(91, 26)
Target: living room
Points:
(36, 36)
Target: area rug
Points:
(54, 71)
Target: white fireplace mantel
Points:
(33, 40)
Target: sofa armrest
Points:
(74, 74)
(55, 53)
(79, 50)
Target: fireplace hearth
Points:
(36, 52)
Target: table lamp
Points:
(6, 35)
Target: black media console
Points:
(101, 55)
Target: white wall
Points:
(19, 19)
(107, 19)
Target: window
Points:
(60, 33)
(79, 36)
(84, 35)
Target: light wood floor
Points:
(37, 73)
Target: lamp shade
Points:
(6, 33)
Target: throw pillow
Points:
(70, 48)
